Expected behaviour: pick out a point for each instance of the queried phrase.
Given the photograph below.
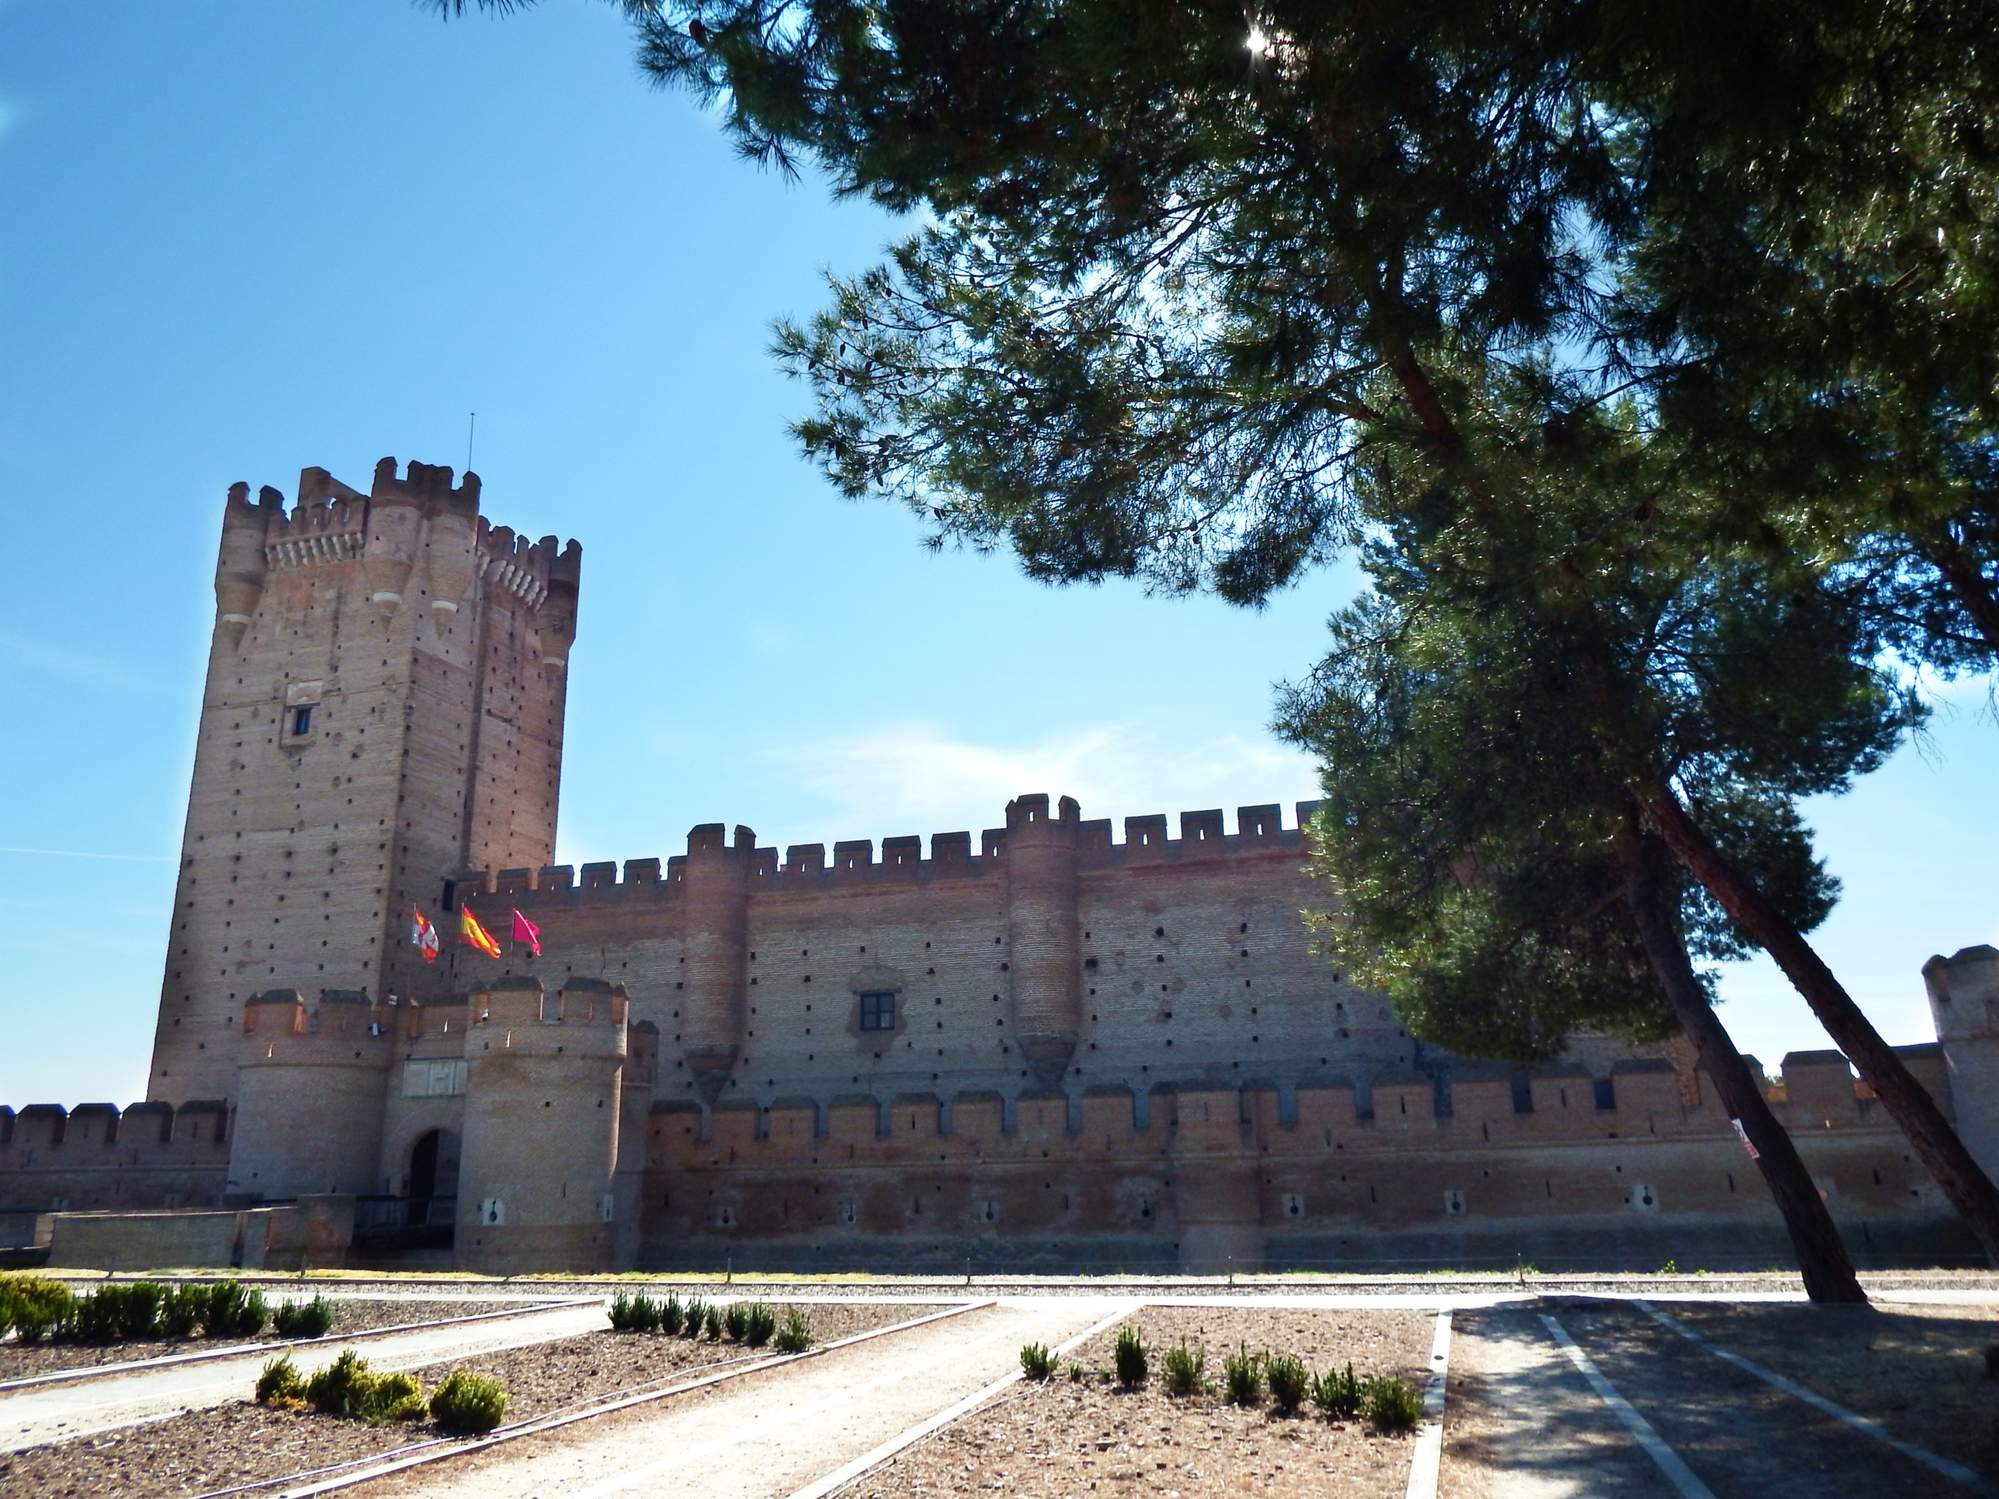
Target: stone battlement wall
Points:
(1205, 1179)
(1639, 1099)
(1203, 836)
(95, 1155)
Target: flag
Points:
(474, 935)
(424, 935)
(527, 932)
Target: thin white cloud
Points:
(75, 667)
(916, 778)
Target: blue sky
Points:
(241, 238)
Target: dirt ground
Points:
(1067, 1437)
(1919, 1370)
(241, 1443)
(350, 1316)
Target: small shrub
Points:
(759, 1323)
(279, 1381)
(1130, 1357)
(342, 1386)
(1337, 1394)
(383, 1394)
(94, 1316)
(114, 1314)
(712, 1324)
(1671, 1267)
(697, 1316)
(41, 1309)
(232, 1311)
(1185, 1369)
(1290, 1381)
(795, 1335)
(34, 1308)
(303, 1319)
(468, 1402)
(1077, 1374)
(634, 1313)
(1242, 1377)
(180, 1315)
(672, 1315)
(1390, 1403)
(1036, 1362)
(735, 1321)
(143, 1301)
(409, 1408)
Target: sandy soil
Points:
(1069, 1437)
(242, 1442)
(1917, 1369)
(350, 1316)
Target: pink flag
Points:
(527, 932)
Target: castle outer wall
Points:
(1059, 1043)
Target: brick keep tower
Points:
(383, 709)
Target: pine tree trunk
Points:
(1962, 573)
(1969, 1189)
(1821, 1253)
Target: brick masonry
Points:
(1054, 1042)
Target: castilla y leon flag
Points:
(474, 935)
(527, 932)
(424, 935)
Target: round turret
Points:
(311, 1088)
(715, 886)
(558, 609)
(1964, 999)
(1044, 950)
(240, 567)
(394, 526)
(543, 1103)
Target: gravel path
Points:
(768, 1433)
(241, 1442)
(352, 1314)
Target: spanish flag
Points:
(474, 935)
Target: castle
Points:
(1049, 1046)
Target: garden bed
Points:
(1088, 1436)
(18, 1361)
(242, 1442)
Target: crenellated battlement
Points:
(528, 569)
(333, 522)
(42, 1136)
(1636, 1101)
(1260, 833)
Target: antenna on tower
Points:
(471, 428)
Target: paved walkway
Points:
(1569, 1399)
(767, 1433)
(55, 1412)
